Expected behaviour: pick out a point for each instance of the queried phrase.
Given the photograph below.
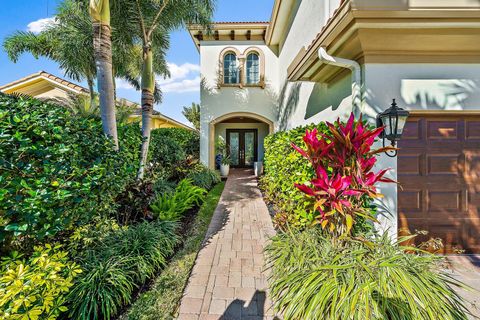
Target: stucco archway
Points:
(211, 139)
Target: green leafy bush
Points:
(117, 265)
(57, 170)
(283, 168)
(317, 278)
(171, 206)
(203, 177)
(188, 140)
(36, 288)
(163, 186)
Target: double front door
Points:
(242, 147)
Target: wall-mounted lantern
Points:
(394, 120)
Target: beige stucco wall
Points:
(290, 104)
(218, 101)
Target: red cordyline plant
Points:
(343, 160)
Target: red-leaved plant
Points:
(343, 160)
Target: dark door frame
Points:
(241, 146)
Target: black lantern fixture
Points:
(394, 120)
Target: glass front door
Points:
(242, 146)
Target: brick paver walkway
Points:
(228, 280)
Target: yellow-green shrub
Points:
(35, 288)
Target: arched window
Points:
(231, 72)
(253, 68)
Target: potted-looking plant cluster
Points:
(225, 160)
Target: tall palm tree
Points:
(192, 114)
(69, 42)
(102, 46)
(149, 22)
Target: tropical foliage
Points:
(117, 265)
(35, 288)
(203, 177)
(283, 168)
(162, 300)
(315, 278)
(62, 180)
(333, 270)
(171, 206)
(344, 192)
(192, 113)
(56, 170)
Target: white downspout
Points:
(356, 76)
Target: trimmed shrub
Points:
(36, 288)
(117, 265)
(314, 277)
(188, 140)
(171, 206)
(203, 177)
(283, 168)
(57, 170)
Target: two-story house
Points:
(317, 60)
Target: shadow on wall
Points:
(288, 103)
(240, 99)
(328, 96)
(422, 94)
(442, 94)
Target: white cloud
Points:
(40, 25)
(183, 78)
(186, 85)
(123, 84)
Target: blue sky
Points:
(183, 57)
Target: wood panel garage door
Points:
(439, 171)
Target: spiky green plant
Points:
(171, 206)
(317, 278)
(117, 265)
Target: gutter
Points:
(356, 76)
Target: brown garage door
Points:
(439, 171)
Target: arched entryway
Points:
(244, 133)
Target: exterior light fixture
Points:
(393, 120)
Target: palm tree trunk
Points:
(148, 87)
(102, 42)
(92, 92)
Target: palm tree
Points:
(149, 22)
(69, 42)
(102, 46)
(192, 114)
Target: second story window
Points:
(231, 71)
(253, 68)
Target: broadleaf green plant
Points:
(36, 288)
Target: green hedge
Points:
(187, 140)
(57, 170)
(283, 167)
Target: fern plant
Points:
(171, 206)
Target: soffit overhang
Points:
(229, 31)
(401, 35)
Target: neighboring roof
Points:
(47, 76)
(229, 31)
(75, 88)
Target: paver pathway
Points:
(467, 269)
(228, 280)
